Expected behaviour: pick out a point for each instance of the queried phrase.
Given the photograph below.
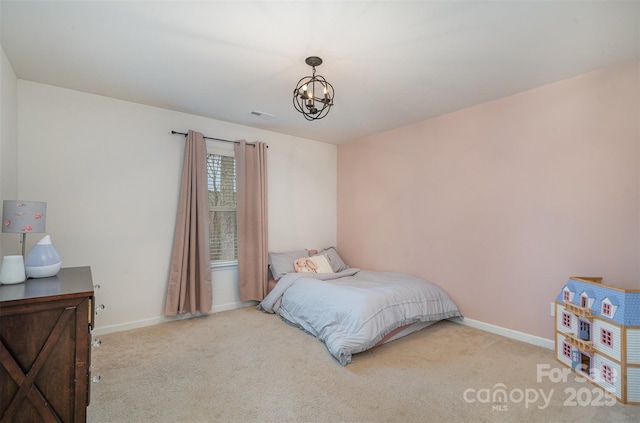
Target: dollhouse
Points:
(597, 334)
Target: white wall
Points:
(109, 171)
(9, 244)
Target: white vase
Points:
(12, 270)
(43, 260)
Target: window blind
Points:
(221, 175)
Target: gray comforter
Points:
(353, 310)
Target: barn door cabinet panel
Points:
(45, 348)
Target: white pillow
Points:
(336, 262)
(323, 264)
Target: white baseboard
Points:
(509, 333)
(498, 330)
(163, 319)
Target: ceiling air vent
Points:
(260, 114)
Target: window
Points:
(566, 296)
(566, 350)
(221, 178)
(606, 337)
(606, 309)
(566, 320)
(584, 300)
(607, 373)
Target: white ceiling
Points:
(391, 63)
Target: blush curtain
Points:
(251, 188)
(190, 287)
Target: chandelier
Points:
(313, 96)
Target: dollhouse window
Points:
(606, 337)
(566, 295)
(566, 350)
(607, 373)
(609, 307)
(566, 320)
(584, 300)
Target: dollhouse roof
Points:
(627, 302)
(612, 300)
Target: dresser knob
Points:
(99, 307)
(96, 343)
(96, 378)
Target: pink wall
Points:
(500, 203)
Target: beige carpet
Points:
(247, 366)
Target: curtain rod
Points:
(211, 138)
(206, 138)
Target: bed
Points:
(352, 310)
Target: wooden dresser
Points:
(45, 349)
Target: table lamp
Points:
(20, 217)
(23, 217)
